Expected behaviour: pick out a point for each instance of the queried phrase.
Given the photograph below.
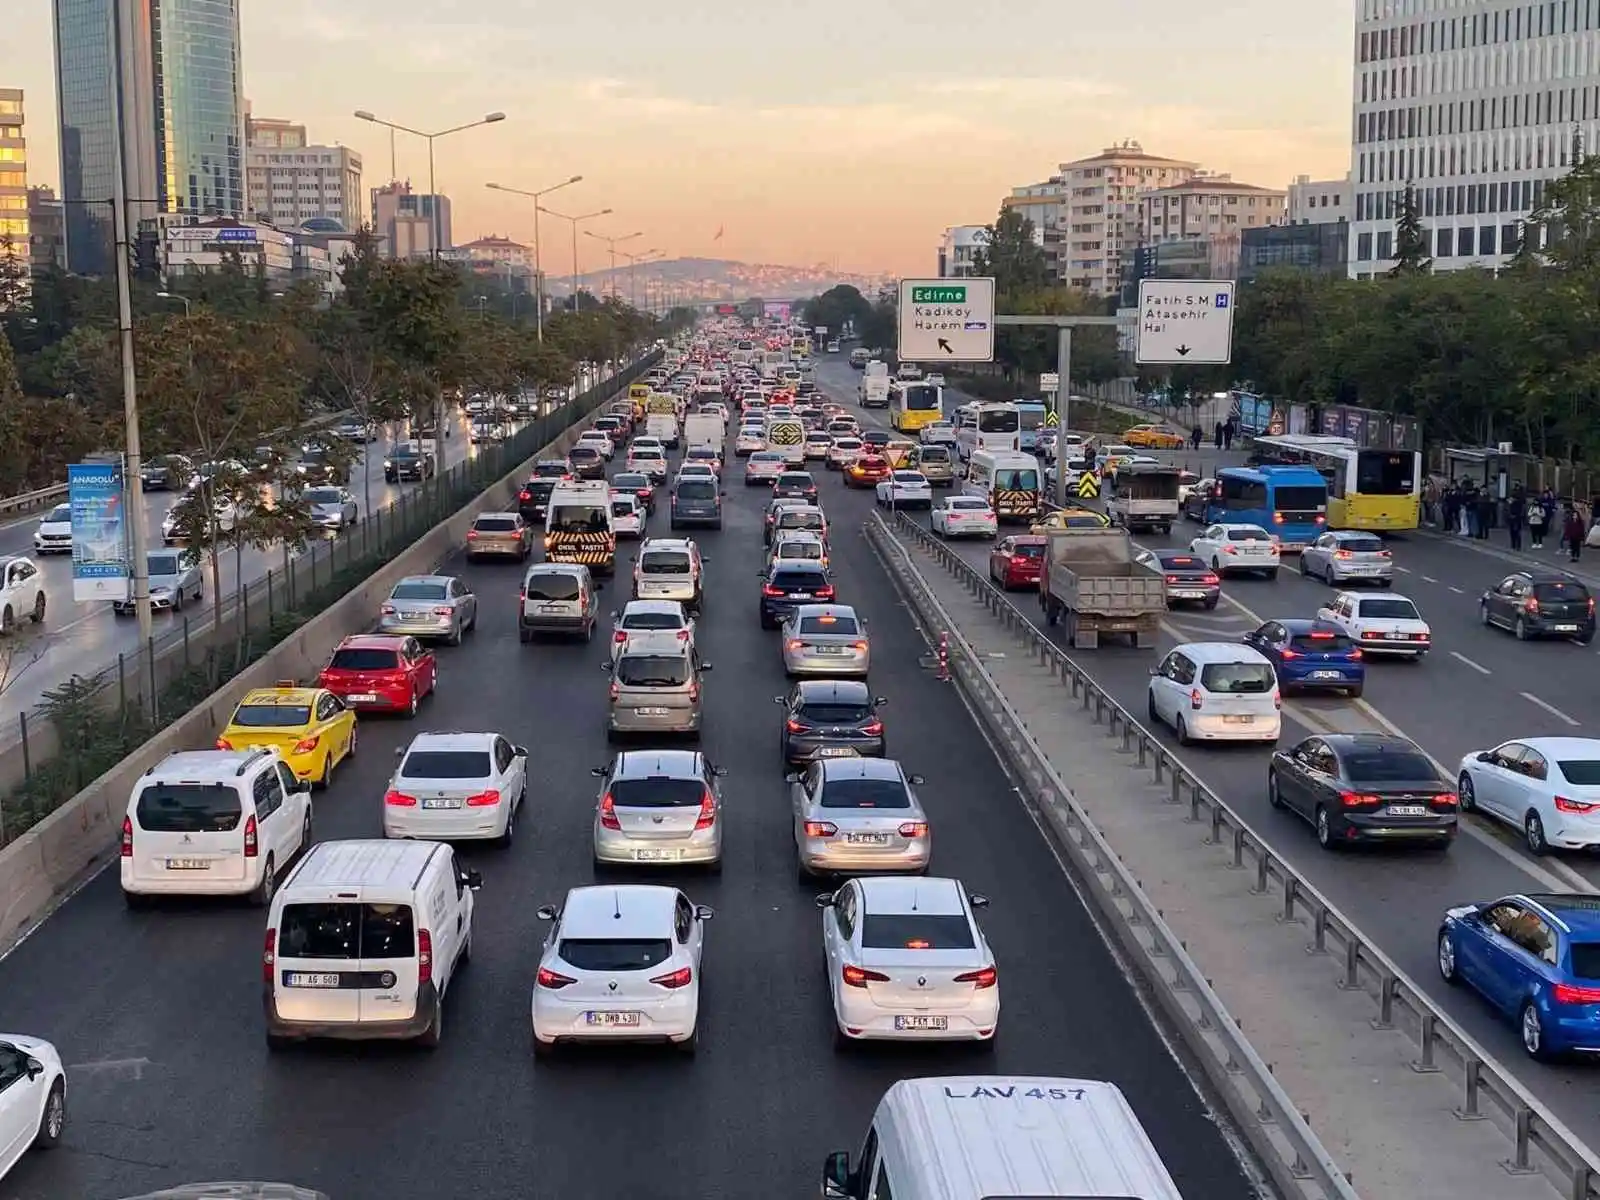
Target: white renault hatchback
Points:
(33, 1098)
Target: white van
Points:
(975, 1136)
(787, 436)
(1217, 692)
(363, 941)
(213, 823)
(1008, 480)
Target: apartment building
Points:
(1320, 201)
(1100, 213)
(410, 224)
(291, 182)
(1475, 103)
(1207, 206)
(959, 246)
(1043, 204)
(14, 226)
(47, 229)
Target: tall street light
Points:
(612, 243)
(430, 138)
(575, 222)
(188, 305)
(633, 272)
(538, 262)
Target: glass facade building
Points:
(199, 107)
(84, 99)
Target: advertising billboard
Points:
(100, 563)
(775, 310)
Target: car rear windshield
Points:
(798, 549)
(1387, 766)
(651, 620)
(798, 518)
(540, 489)
(1182, 562)
(447, 764)
(1361, 545)
(916, 931)
(579, 518)
(704, 453)
(1580, 772)
(1237, 679)
(843, 626)
(160, 565)
(614, 954)
(188, 808)
(623, 508)
(935, 454)
(419, 591)
(1396, 609)
(496, 524)
(552, 585)
(800, 580)
(1321, 643)
(665, 562)
(1586, 960)
(362, 659)
(865, 793)
(697, 489)
(1016, 481)
(828, 713)
(550, 470)
(648, 452)
(1028, 550)
(1248, 535)
(970, 505)
(652, 670)
(271, 716)
(324, 496)
(346, 931)
(630, 480)
(791, 479)
(1560, 593)
(657, 791)
(582, 451)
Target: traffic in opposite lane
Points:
(145, 1005)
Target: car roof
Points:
(1308, 625)
(437, 579)
(842, 611)
(1371, 742)
(661, 650)
(929, 896)
(641, 764)
(845, 691)
(1220, 652)
(861, 768)
(482, 515)
(281, 695)
(1353, 535)
(555, 568)
(669, 607)
(451, 740)
(666, 543)
(1167, 552)
(1387, 595)
(1232, 526)
(619, 910)
(1545, 575)
(1577, 913)
(374, 641)
(1558, 747)
(205, 766)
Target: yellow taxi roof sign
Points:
(283, 694)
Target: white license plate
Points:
(363, 698)
(867, 839)
(1327, 674)
(657, 855)
(798, 596)
(1407, 810)
(1240, 720)
(836, 752)
(830, 650)
(921, 1022)
(552, 608)
(612, 1020)
(1188, 594)
(188, 864)
(441, 802)
(651, 712)
(308, 979)
(1566, 629)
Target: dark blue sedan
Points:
(1535, 958)
(1310, 656)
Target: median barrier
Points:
(46, 863)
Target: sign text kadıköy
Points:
(1185, 321)
(947, 320)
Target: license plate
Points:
(1566, 629)
(836, 752)
(651, 712)
(441, 802)
(1327, 674)
(1188, 594)
(921, 1022)
(188, 864)
(799, 596)
(867, 839)
(363, 698)
(1244, 720)
(656, 855)
(1407, 810)
(307, 979)
(830, 650)
(612, 1020)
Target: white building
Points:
(1475, 104)
(1320, 201)
(958, 247)
(289, 184)
(199, 248)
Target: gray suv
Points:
(696, 501)
(655, 690)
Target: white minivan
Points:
(970, 1137)
(213, 823)
(1217, 692)
(363, 941)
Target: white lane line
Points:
(1462, 658)
(1456, 590)
(1404, 570)
(1549, 708)
(1429, 579)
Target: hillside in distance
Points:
(726, 279)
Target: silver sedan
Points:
(827, 640)
(856, 816)
(332, 508)
(1344, 556)
(430, 606)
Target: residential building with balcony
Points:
(1099, 217)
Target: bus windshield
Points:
(997, 420)
(923, 398)
(1031, 416)
(1385, 473)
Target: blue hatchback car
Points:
(1536, 958)
(1310, 656)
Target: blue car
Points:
(1310, 656)
(1536, 959)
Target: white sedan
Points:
(1548, 787)
(33, 1098)
(906, 489)
(621, 963)
(1231, 548)
(627, 515)
(907, 962)
(644, 625)
(965, 516)
(1380, 624)
(751, 438)
(600, 440)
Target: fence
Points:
(1538, 1141)
(88, 723)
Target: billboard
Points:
(100, 566)
(775, 310)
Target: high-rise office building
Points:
(14, 230)
(199, 106)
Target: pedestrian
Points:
(1196, 436)
(1228, 430)
(1514, 512)
(1450, 503)
(1486, 514)
(1469, 511)
(1573, 532)
(1219, 435)
(1537, 517)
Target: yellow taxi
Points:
(1070, 518)
(1157, 437)
(310, 726)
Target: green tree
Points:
(1411, 250)
(15, 278)
(1568, 217)
(1010, 252)
(839, 306)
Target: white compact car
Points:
(1232, 549)
(600, 440)
(907, 962)
(627, 515)
(846, 448)
(1548, 787)
(54, 534)
(33, 1098)
(645, 625)
(751, 438)
(1216, 692)
(1388, 625)
(621, 963)
(906, 489)
(965, 516)
(456, 787)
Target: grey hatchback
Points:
(695, 501)
(655, 690)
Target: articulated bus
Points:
(1375, 490)
(1031, 416)
(1290, 502)
(914, 405)
(982, 426)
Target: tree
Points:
(1568, 216)
(349, 366)
(15, 277)
(1009, 251)
(1411, 250)
(838, 307)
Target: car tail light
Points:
(873, 728)
(825, 592)
(914, 829)
(608, 813)
(821, 829)
(522, 594)
(1208, 580)
(859, 647)
(620, 637)
(1277, 700)
(1196, 699)
(1384, 554)
(387, 610)
(616, 691)
(1566, 993)
(1172, 579)
(1531, 605)
(683, 635)
(396, 799)
(1286, 654)
(127, 837)
(860, 976)
(694, 690)
(306, 745)
(252, 841)
(1230, 549)
(1359, 799)
(1277, 518)
(794, 726)
(1591, 606)
(770, 590)
(1446, 801)
(680, 978)
(486, 799)
(1343, 554)
(1355, 654)
(985, 978)
(224, 744)
(424, 956)
(708, 812)
(472, 535)
(269, 956)
(795, 644)
(524, 495)
(1568, 805)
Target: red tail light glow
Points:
(472, 535)
(860, 976)
(821, 829)
(608, 813)
(443, 612)
(1531, 605)
(914, 829)
(986, 978)
(794, 726)
(825, 592)
(616, 691)
(127, 837)
(306, 745)
(1446, 801)
(396, 799)
(770, 590)
(424, 956)
(1196, 699)
(620, 637)
(1566, 993)
(708, 812)
(680, 978)
(1208, 580)
(1344, 554)
(252, 841)
(1359, 800)
(387, 610)
(796, 644)
(486, 799)
(224, 744)
(1568, 805)
(1230, 549)
(269, 956)
(873, 728)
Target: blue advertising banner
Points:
(100, 564)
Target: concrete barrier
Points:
(46, 864)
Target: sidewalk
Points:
(1390, 1127)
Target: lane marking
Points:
(1549, 708)
(1456, 590)
(1459, 657)
(1428, 579)
(1403, 570)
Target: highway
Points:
(1478, 687)
(158, 1012)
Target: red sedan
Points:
(867, 471)
(1017, 562)
(381, 673)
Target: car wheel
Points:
(1355, 692)
(1447, 957)
(416, 700)
(429, 1038)
(1325, 829)
(1182, 730)
(1274, 796)
(1521, 628)
(1150, 708)
(1465, 795)
(689, 1044)
(1303, 569)
(38, 609)
(53, 1121)
(1533, 834)
(1483, 612)
(510, 834)
(1531, 1027)
(1216, 566)
(262, 896)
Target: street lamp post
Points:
(188, 305)
(575, 222)
(538, 260)
(612, 243)
(430, 138)
(633, 274)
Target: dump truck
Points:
(1145, 496)
(1091, 580)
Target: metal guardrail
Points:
(1539, 1142)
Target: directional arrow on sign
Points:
(945, 346)
(1183, 350)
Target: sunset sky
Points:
(850, 133)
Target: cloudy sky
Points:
(850, 133)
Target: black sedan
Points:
(795, 485)
(1364, 787)
(789, 583)
(1189, 579)
(830, 718)
(639, 484)
(587, 462)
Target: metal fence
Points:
(88, 723)
(1539, 1143)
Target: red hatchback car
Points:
(1017, 562)
(868, 470)
(381, 673)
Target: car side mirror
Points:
(472, 879)
(547, 912)
(779, 700)
(792, 777)
(917, 780)
(607, 667)
(824, 899)
(34, 1067)
(599, 772)
(720, 772)
(400, 752)
(615, 616)
(704, 667)
(303, 785)
(978, 901)
(1484, 756)
(880, 701)
(704, 912)
(836, 1176)
(520, 751)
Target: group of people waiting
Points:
(1470, 511)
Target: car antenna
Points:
(616, 905)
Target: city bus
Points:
(981, 426)
(914, 405)
(1289, 502)
(1031, 416)
(1375, 490)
